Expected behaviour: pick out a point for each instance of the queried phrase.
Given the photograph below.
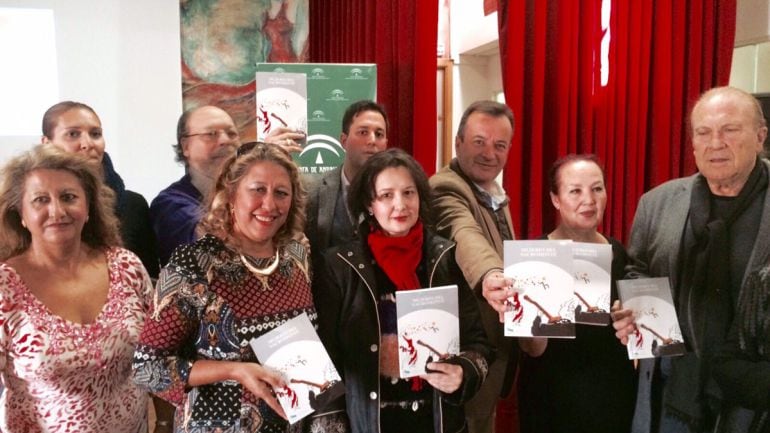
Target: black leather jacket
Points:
(345, 294)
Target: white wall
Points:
(753, 19)
(476, 55)
(123, 59)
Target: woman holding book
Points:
(355, 294)
(243, 278)
(586, 384)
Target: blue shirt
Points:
(175, 213)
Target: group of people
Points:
(105, 300)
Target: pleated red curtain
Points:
(400, 37)
(662, 55)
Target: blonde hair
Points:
(218, 220)
(100, 231)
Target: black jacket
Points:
(345, 294)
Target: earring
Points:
(371, 213)
(23, 224)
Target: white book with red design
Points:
(428, 327)
(657, 332)
(297, 354)
(592, 267)
(543, 304)
(281, 102)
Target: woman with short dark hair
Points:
(355, 294)
(585, 384)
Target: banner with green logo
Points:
(331, 88)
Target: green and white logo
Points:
(322, 153)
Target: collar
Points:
(495, 199)
(344, 182)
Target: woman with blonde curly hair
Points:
(244, 277)
(72, 301)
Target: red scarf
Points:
(398, 256)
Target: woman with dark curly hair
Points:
(245, 276)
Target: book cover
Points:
(592, 267)
(281, 102)
(543, 305)
(331, 88)
(657, 330)
(295, 351)
(428, 327)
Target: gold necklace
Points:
(262, 274)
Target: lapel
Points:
(509, 220)
(327, 199)
(677, 221)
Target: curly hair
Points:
(101, 230)
(362, 191)
(217, 219)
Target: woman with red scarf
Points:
(354, 292)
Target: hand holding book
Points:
(258, 380)
(443, 376)
(496, 289)
(623, 322)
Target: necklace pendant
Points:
(262, 273)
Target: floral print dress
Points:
(61, 376)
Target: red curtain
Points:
(400, 37)
(662, 55)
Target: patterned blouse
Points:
(62, 376)
(208, 305)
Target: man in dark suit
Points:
(364, 133)
(705, 232)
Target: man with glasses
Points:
(206, 136)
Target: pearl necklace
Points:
(263, 273)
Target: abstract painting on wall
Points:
(223, 40)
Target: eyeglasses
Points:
(249, 146)
(214, 134)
